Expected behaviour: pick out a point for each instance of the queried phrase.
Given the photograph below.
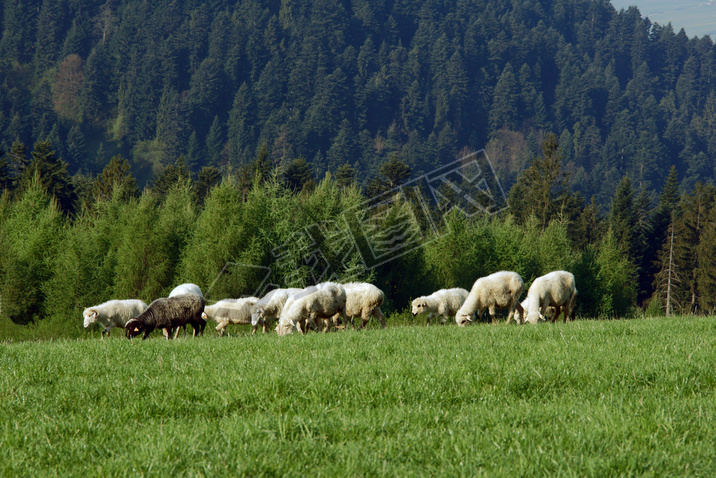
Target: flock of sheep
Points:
(329, 305)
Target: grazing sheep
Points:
(320, 302)
(556, 289)
(182, 289)
(113, 313)
(269, 308)
(230, 311)
(549, 312)
(168, 313)
(443, 303)
(500, 290)
(364, 300)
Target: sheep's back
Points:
(360, 295)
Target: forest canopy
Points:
(354, 83)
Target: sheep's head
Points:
(463, 319)
(419, 305)
(284, 329)
(90, 316)
(204, 316)
(257, 315)
(133, 328)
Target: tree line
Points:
(343, 84)
(66, 245)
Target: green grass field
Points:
(587, 398)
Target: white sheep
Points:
(500, 290)
(556, 289)
(230, 311)
(442, 303)
(187, 288)
(526, 306)
(269, 308)
(364, 300)
(319, 302)
(113, 313)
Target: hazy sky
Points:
(698, 18)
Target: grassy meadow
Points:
(586, 398)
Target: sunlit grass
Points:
(589, 398)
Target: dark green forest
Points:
(146, 144)
(356, 82)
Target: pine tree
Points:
(53, 175)
(622, 218)
(214, 143)
(29, 238)
(505, 101)
(541, 190)
(706, 271)
(206, 179)
(116, 178)
(5, 180)
(345, 176)
(298, 176)
(170, 177)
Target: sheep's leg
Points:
(364, 318)
(557, 311)
(567, 311)
(521, 310)
(491, 311)
(378, 314)
(430, 316)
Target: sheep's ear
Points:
(93, 313)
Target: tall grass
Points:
(588, 398)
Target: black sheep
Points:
(168, 313)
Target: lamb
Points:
(168, 313)
(443, 303)
(113, 313)
(269, 308)
(230, 311)
(364, 300)
(499, 290)
(323, 301)
(556, 289)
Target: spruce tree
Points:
(298, 175)
(173, 174)
(541, 190)
(52, 173)
(622, 218)
(206, 179)
(116, 178)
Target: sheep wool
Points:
(364, 300)
(556, 289)
(442, 303)
(500, 290)
(268, 309)
(230, 311)
(168, 313)
(320, 302)
(113, 313)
